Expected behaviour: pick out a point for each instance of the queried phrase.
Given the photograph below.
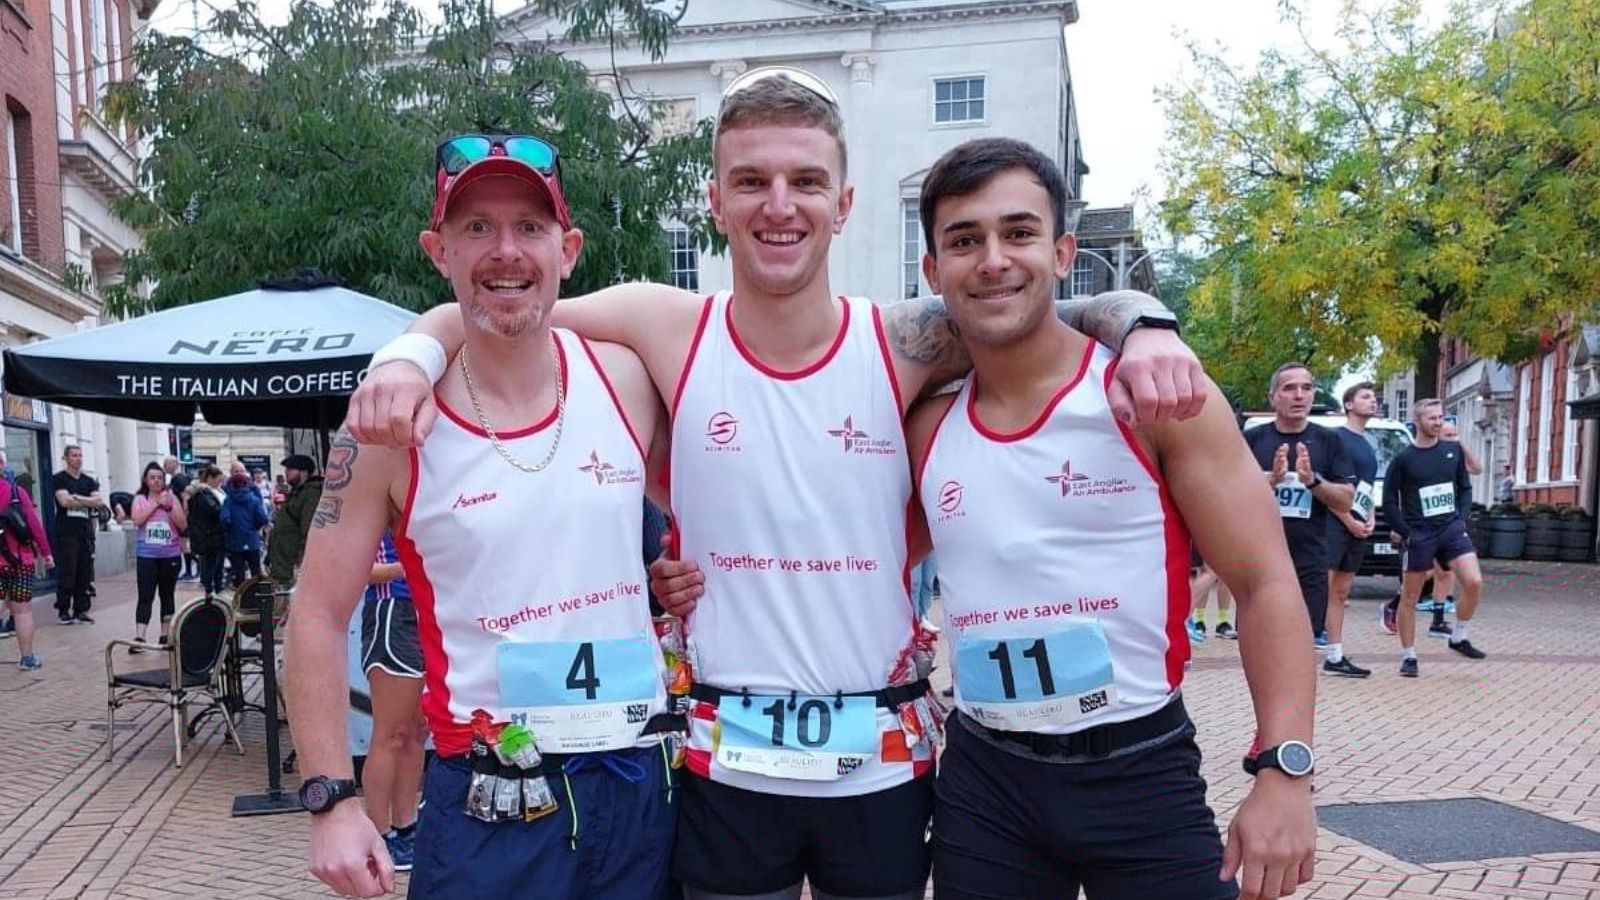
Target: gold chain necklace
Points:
(483, 420)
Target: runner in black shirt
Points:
(1348, 531)
(1309, 472)
(78, 498)
(1428, 491)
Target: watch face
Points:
(317, 795)
(1295, 758)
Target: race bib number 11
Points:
(1026, 684)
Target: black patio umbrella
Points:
(272, 356)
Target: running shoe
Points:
(137, 648)
(1321, 641)
(1449, 604)
(1408, 668)
(84, 618)
(1466, 649)
(402, 850)
(65, 619)
(29, 663)
(1197, 635)
(1344, 667)
(8, 628)
(1226, 631)
(1439, 630)
(1388, 615)
(1200, 625)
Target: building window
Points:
(1083, 277)
(685, 258)
(1525, 399)
(13, 227)
(1402, 404)
(958, 99)
(1569, 458)
(1547, 397)
(910, 250)
(94, 76)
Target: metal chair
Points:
(199, 641)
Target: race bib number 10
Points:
(1361, 507)
(1025, 684)
(1438, 500)
(579, 696)
(799, 737)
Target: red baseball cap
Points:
(467, 158)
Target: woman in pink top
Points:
(158, 553)
(17, 555)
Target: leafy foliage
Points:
(311, 145)
(1417, 181)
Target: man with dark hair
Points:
(78, 497)
(1348, 530)
(1426, 494)
(787, 402)
(292, 523)
(1310, 474)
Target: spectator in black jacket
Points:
(205, 527)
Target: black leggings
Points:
(238, 560)
(211, 573)
(156, 574)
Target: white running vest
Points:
(530, 587)
(790, 491)
(1063, 565)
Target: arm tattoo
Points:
(341, 468)
(1107, 316)
(923, 332)
(328, 509)
(341, 462)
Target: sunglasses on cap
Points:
(461, 151)
(799, 76)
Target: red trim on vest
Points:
(888, 360)
(542, 424)
(615, 400)
(450, 738)
(1044, 416)
(770, 372)
(1177, 554)
(688, 363)
(933, 438)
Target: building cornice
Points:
(84, 161)
(38, 287)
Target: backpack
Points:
(13, 522)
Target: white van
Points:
(1387, 437)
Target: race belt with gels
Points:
(810, 737)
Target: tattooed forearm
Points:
(923, 332)
(341, 462)
(1107, 316)
(328, 509)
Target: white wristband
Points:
(421, 350)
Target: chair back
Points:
(247, 600)
(200, 633)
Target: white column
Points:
(861, 231)
(725, 71)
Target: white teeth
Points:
(505, 285)
(780, 237)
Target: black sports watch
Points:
(1316, 479)
(1153, 318)
(1293, 758)
(320, 794)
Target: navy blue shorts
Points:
(615, 843)
(1444, 546)
(1009, 826)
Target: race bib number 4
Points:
(1026, 684)
(799, 737)
(1438, 500)
(1361, 506)
(1294, 500)
(579, 697)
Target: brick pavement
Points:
(1522, 727)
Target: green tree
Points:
(311, 144)
(1415, 181)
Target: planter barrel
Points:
(1544, 538)
(1507, 536)
(1577, 539)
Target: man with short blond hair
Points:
(1349, 529)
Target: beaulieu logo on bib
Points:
(1077, 484)
(859, 442)
(722, 433)
(606, 473)
(949, 502)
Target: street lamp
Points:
(1121, 270)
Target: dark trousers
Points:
(157, 575)
(211, 573)
(1313, 578)
(74, 568)
(238, 560)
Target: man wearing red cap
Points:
(545, 688)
